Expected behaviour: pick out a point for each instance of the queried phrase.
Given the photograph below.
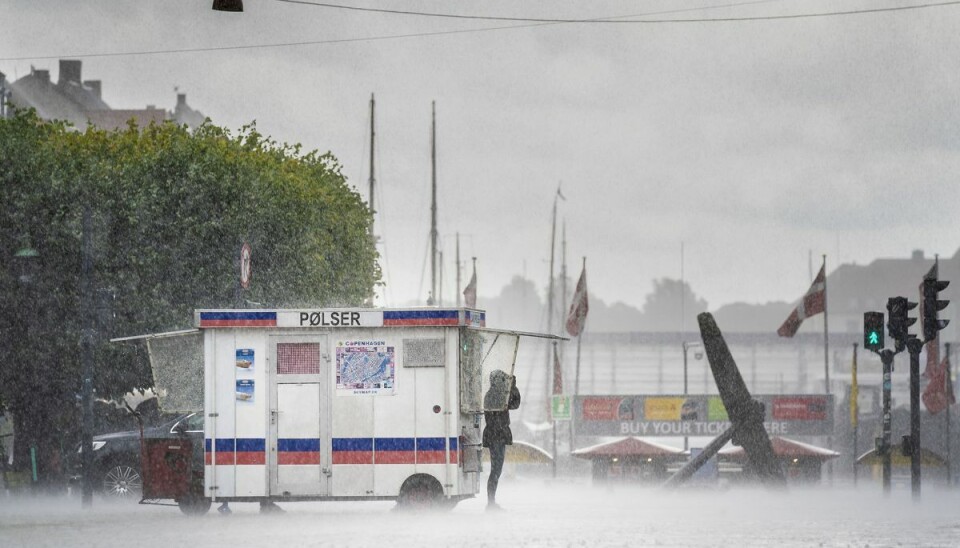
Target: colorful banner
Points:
(698, 415)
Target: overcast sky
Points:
(752, 143)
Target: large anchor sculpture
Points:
(746, 414)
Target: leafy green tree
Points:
(662, 307)
(170, 211)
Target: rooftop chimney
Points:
(94, 86)
(69, 71)
(181, 100)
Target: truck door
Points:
(299, 452)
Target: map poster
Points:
(365, 367)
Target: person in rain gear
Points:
(502, 396)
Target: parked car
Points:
(116, 456)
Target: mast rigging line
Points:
(382, 212)
(543, 22)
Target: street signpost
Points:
(245, 266)
(560, 408)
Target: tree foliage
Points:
(170, 211)
(662, 308)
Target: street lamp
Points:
(26, 260)
(227, 5)
(697, 355)
(26, 257)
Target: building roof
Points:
(183, 114)
(628, 447)
(897, 458)
(118, 119)
(853, 289)
(66, 100)
(783, 447)
(79, 101)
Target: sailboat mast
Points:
(550, 291)
(373, 210)
(547, 384)
(458, 270)
(372, 178)
(433, 204)
(563, 280)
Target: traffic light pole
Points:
(855, 412)
(886, 358)
(914, 346)
(899, 330)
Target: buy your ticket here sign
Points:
(698, 415)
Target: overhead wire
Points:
(620, 19)
(533, 23)
(359, 39)
(519, 19)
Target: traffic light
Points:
(873, 331)
(880, 446)
(899, 325)
(931, 306)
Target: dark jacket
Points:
(497, 423)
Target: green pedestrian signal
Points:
(873, 331)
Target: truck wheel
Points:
(194, 505)
(122, 481)
(421, 492)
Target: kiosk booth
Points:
(342, 404)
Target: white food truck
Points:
(358, 404)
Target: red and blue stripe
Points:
(393, 451)
(237, 451)
(238, 319)
(299, 451)
(421, 317)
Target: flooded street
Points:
(536, 513)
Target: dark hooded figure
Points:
(502, 396)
